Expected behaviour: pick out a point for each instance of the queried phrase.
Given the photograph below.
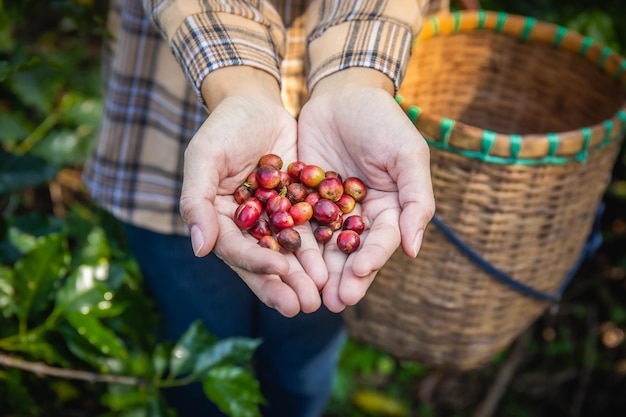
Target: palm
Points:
(279, 280)
(364, 133)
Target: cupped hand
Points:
(244, 124)
(353, 125)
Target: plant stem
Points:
(42, 369)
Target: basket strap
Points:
(593, 242)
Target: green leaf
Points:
(36, 87)
(93, 246)
(64, 147)
(13, 127)
(234, 391)
(98, 335)
(7, 292)
(124, 397)
(88, 353)
(160, 358)
(22, 171)
(194, 340)
(226, 351)
(37, 273)
(84, 292)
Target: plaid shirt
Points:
(160, 52)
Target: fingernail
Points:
(197, 241)
(417, 243)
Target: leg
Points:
(296, 362)
(186, 288)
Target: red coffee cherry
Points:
(289, 239)
(348, 241)
(355, 188)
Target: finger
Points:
(304, 287)
(310, 257)
(415, 194)
(336, 262)
(197, 199)
(272, 291)
(378, 243)
(243, 252)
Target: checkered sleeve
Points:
(206, 35)
(374, 34)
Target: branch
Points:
(41, 369)
(506, 372)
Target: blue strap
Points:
(592, 245)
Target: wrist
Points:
(353, 77)
(239, 80)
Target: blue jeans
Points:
(296, 360)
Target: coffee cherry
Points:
(325, 211)
(294, 169)
(267, 176)
(285, 180)
(264, 194)
(242, 193)
(271, 159)
(330, 188)
(269, 242)
(354, 222)
(281, 220)
(301, 212)
(277, 203)
(355, 188)
(323, 234)
(247, 214)
(260, 229)
(312, 198)
(348, 241)
(289, 239)
(312, 175)
(333, 174)
(346, 203)
(251, 181)
(296, 192)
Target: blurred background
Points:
(54, 243)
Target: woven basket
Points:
(524, 121)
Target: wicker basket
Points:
(524, 120)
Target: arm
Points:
(230, 52)
(353, 124)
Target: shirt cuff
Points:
(206, 42)
(381, 45)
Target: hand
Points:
(247, 120)
(353, 125)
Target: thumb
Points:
(197, 202)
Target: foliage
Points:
(78, 334)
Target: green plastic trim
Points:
(606, 52)
(553, 143)
(489, 138)
(516, 146)
(435, 23)
(456, 17)
(584, 151)
(414, 113)
(482, 18)
(560, 34)
(502, 16)
(620, 70)
(447, 125)
(586, 43)
(529, 25)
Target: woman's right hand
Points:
(247, 120)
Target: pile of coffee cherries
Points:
(272, 201)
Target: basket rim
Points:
(507, 148)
